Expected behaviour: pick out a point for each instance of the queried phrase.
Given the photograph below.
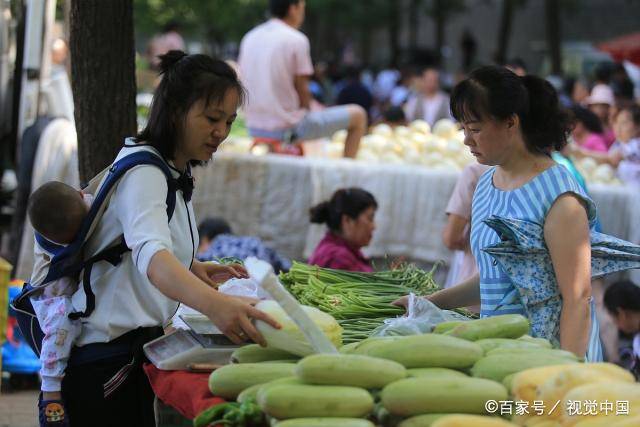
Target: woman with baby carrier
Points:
(124, 306)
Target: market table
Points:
(270, 196)
(186, 392)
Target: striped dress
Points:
(530, 202)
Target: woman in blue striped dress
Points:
(513, 124)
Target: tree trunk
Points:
(440, 17)
(552, 11)
(103, 80)
(504, 33)
(394, 32)
(414, 16)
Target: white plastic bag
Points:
(422, 316)
(237, 287)
(243, 288)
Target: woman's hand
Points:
(465, 294)
(402, 302)
(214, 274)
(232, 315)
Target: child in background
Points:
(601, 102)
(587, 131)
(625, 152)
(622, 300)
(56, 211)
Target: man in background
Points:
(430, 103)
(275, 67)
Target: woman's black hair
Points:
(624, 294)
(347, 201)
(588, 118)
(185, 80)
(497, 93)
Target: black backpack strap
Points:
(122, 166)
(113, 254)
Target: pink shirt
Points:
(460, 204)
(335, 252)
(594, 142)
(609, 137)
(271, 56)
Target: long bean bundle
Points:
(359, 301)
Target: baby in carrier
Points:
(56, 211)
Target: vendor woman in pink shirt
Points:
(349, 215)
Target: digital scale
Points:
(204, 343)
(201, 343)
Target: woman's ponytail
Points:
(320, 213)
(545, 125)
(346, 201)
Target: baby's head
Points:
(56, 211)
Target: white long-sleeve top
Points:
(125, 298)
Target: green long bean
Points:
(359, 301)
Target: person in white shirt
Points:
(275, 66)
(455, 235)
(192, 112)
(430, 103)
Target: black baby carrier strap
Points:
(69, 261)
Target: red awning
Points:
(626, 47)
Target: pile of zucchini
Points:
(440, 379)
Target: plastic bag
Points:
(422, 316)
(237, 287)
(244, 288)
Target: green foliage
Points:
(348, 14)
(220, 20)
(224, 20)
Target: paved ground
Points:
(19, 396)
(18, 408)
